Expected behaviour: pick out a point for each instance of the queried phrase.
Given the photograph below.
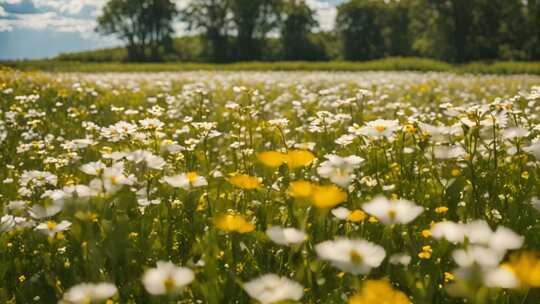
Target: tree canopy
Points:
(143, 24)
(248, 30)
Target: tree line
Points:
(245, 30)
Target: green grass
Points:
(389, 64)
(452, 148)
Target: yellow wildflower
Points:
(379, 292)
(294, 158)
(372, 219)
(328, 196)
(300, 189)
(448, 277)
(409, 128)
(426, 252)
(456, 172)
(356, 216)
(526, 266)
(441, 209)
(299, 158)
(234, 223)
(245, 181)
(271, 158)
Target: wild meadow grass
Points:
(386, 64)
(269, 187)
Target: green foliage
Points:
(360, 27)
(297, 44)
(116, 160)
(237, 30)
(252, 20)
(211, 18)
(388, 64)
(144, 25)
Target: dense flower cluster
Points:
(269, 187)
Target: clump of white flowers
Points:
(86, 293)
(355, 256)
(339, 169)
(391, 212)
(186, 181)
(286, 236)
(167, 278)
(271, 288)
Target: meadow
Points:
(269, 187)
(80, 63)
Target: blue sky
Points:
(32, 29)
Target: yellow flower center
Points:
(51, 225)
(191, 176)
(392, 214)
(380, 128)
(356, 258)
(169, 284)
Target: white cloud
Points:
(68, 6)
(3, 12)
(325, 13)
(61, 15)
(10, 1)
(4, 27)
(49, 20)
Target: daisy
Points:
(448, 152)
(85, 293)
(41, 212)
(393, 211)
(186, 181)
(339, 169)
(113, 178)
(9, 222)
(167, 278)
(452, 232)
(355, 256)
(271, 288)
(380, 128)
(38, 178)
(286, 236)
(500, 277)
(535, 202)
(51, 228)
(533, 149)
(147, 158)
(513, 133)
(118, 131)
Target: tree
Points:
(497, 30)
(533, 24)
(430, 32)
(143, 24)
(252, 20)
(359, 25)
(396, 28)
(298, 22)
(213, 19)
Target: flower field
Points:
(269, 187)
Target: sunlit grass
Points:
(246, 187)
